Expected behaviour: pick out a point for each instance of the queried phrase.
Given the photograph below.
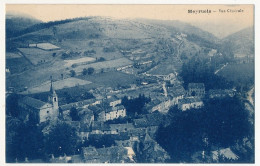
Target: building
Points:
(86, 117)
(220, 93)
(43, 111)
(80, 104)
(196, 89)
(100, 128)
(151, 151)
(115, 112)
(117, 128)
(170, 77)
(113, 154)
(188, 103)
(113, 101)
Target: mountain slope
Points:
(241, 43)
(16, 22)
(175, 25)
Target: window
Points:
(55, 99)
(47, 112)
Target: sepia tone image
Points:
(130, 84)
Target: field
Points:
(82, 45)
(11, 55)
(80, 60)
(60, 84)
(166, 67)
(110, 79)
(16, 63)
(36, 56)
(239, 73)
(105, 65)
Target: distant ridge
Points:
(241, 42)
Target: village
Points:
(115, 96)
(105, 114)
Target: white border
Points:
(2, 57)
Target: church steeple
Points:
(51, 89)
(53, 98)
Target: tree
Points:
(101, 59)
(135, 105)
(222, 121)
(61, 139)
(90, 70)
(200, 70)
(54, 30)
(74, 114)
(72, 73)
(23, 140)
(12, 105)
(85, 71)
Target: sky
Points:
(219, 23)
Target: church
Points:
(42, 111)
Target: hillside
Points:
(178, 26)
(107, 42)
(241, 43)
(16, 22)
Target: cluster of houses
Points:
(96, 117)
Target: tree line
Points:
(220, 123)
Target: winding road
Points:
(249, 95)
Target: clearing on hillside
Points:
(60, 84)
(37, 56)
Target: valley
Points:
(139, 90)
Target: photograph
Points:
(125, 83)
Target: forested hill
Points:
(242, 42)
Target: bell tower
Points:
(53, 99)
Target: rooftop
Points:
(196, 85)
(34, 103)
(190, 100)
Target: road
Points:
(221, 68)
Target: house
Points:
(114, 112)
(160, 104)
(81, 104)
(170, 77)
(84, 133)
(113, 101)
(42, 111)
(86, 117)
(220, 93)
(116, 128)
(113, 154)
(61, 159)
(148, 120)
(137, 133)
(188, 103)
(100, 128)
(196, 89)
(90, 155)
(176, 92)
(98, 112)
(151, 151)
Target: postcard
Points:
(125, 83)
